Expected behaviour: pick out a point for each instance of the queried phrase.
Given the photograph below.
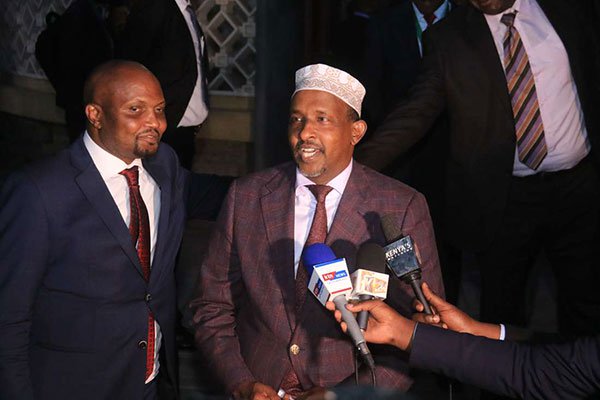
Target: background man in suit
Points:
(392, 58)
(507, 199)
(561, 371)
(257, 333)
(72, 45)
(88, 305)
(166, 37)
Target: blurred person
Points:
(392, 60)
(518, 79)
(72, 45)
(166, 37)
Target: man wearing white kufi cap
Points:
(254, 320)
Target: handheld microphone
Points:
(370, 281)
(402, 260)
(330, 281)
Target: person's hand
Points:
(451, 317)
(254, 390)
(386, 326)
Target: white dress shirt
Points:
(560, 109)
(306, 204)
(109, 167)
(196, 111)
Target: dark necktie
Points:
(316, 234)
(531, 143)
(429, 18)
(204, 59)
(139, 229)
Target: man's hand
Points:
(386, 326)
(254, 390)
(451, 317)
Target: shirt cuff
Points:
(502, 332)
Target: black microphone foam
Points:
(401, 257)
(371, 257)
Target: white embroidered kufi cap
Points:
(335, 81)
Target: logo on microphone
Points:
(317, 288)
(335, 275)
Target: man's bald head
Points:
(108, 75)
(125, 109)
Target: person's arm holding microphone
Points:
(561, 371)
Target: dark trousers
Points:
(558, 213)
(182, 140)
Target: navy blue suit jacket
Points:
(561, 371)
(73, 298)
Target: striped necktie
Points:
(531, 144)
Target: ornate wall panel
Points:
(20, 24)
(230, 28)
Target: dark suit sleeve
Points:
(565, 371)
(23, 252)
(373, 60)
(412, 118)
(142, 32)
(205, 194)
(220, 285)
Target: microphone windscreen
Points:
(316, 254)
(391, 230)
(372, 257)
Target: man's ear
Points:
(93, 113)
(359, 128)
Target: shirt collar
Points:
(182, 4)
(517, 7)
(107, 164)
(439, 13)
(338, 183)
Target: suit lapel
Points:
(406, 32)
(478, 34)
(164, 183)
(277, 207)
(93, 187)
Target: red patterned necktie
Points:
(316, 234)
(531, 143)
(139, 229)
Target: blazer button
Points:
(142, 344)
(295, 349)
(148, 297)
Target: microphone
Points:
(370, 281)
(330, 281)
(402, 260)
